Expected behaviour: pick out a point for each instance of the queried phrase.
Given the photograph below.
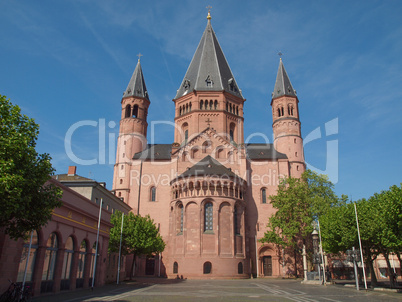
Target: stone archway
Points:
(268, 262)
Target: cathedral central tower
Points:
(208, 95)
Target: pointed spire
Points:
(209, 70)
(137, 87)
(282, 84)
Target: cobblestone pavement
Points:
(222, 290)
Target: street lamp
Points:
(354, 256)
(316, 255)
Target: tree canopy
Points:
(298, 202)
(140, 236)
(26, 200)
(380, 224)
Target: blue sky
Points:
(64, 62)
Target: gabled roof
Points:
(209, 70)
(75, 177)
(282, 84)
(155, 151)
(263, 151)
(208, 166)
(136, 87)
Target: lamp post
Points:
(316, 255)
(354, 256)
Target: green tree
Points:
(389, 224)
(380, 223)
(298, 202)
(26, 201)
(140, 236)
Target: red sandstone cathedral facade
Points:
(208, 192)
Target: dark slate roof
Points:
(155, 151)
(263, 151)
(282, 84)
(208, 166)
(208, 64)
(137, 87)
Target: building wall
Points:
(76, 218)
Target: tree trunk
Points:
(390, 270)
(369, 262)
(399, 258)
(132, 266)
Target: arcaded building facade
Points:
(208, 191)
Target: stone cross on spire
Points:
(209, 12)
(139, 56)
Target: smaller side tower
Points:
(286, 122)
(133, 130)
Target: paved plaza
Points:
(222, 290)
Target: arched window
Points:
(180, 111)
(153, 194)
(206, 104)
(201, 104)
(186, 108)
(230, 108)
(175, 268)
(128, 111)
(67, 263)
(279, 112)
(205, 146)
(207, 267)
(208, 217)
(52, 247)
(91, 272)
(184, 128)
(216, 104)
(227, 107)
(264, 195)
(121, 181)
(180, 219)
(219, 152)
(288, 109)
(211, 104)
(240, 268)
(194, 152)
(24, 258)
(237, 110)
(135, 111)
(81, 264)
(231, 131)
(190, 106)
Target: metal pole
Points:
(361, 250)
(121, 236)
(97, 243)
(355, 267)
(256, 255)
(26, 264)
(159, 268)
(322, 255)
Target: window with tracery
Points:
(208, 217)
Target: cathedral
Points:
(208, 191)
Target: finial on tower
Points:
(280, 54)
(209, 12)
(139, 57)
